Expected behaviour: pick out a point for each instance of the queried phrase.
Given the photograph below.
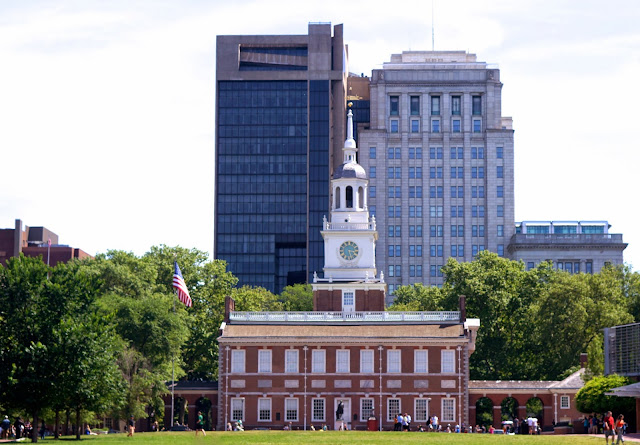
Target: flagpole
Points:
(173, 362)
(173, 366)
(181, 291)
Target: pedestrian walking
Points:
(132, 426)
(608, 425)
(200, 424)
(620, 423)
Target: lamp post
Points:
(226, 388)
(380, 373)
(305, 349)
(459, 349)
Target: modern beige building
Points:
(440, 159)
(573, 246)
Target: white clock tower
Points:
(349, 242)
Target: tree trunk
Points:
(56, 433)
(35, 428)
(66, 422)
(78, 424)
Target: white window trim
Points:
(568, 399)
(373, 408)
(235, 361)
(415, 361)
(415, 409)
(263, 352)
(270, 410)
(287, 419)
(391, 416)
(453, 417)
(231, 408)
(348, 353)
(287, 362)
(363, 353)
(452, 353)
(318, 353)
(324, 410)
(393, 353)
(390, 125)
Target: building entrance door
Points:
(342, 416)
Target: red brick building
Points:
(551, 402)
(348, 361)
(34, 242)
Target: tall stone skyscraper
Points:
(440, 159)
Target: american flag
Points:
(180, 286)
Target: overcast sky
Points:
(107, 108)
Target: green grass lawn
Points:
(328, 437)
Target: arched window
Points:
(349, 197)
(484, 411)
(361, 197)
(535, 408)
(509, 409)
(337, 197)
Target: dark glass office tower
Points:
(279, 120)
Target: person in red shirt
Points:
(608, 425)
(620, 428)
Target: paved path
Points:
(631, 437)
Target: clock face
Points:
(349, 250)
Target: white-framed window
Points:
(421, 410)
(237, 409)
(318, 360)
(264, 410)
(448, 361)
(342, 361)
(564, 402)
(291, 410)
(366, 409)
(477, 126)
(448, 410)
(291, 360)
(415, 126)
(393, 361)
(348, 300)
(393, 408)
(420, 361)
(394, 125)
(237, 360)
(366, 361)
(317, 412)
(264, 360)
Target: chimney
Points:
(463, 308)
(584, 360)
(229, 306)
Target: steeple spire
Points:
(349, 148)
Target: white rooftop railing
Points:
(346, 317)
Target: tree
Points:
(48, 322)
(419, 297)
(592, 398)
(153, 328)
(297, 297)
(252, 299)
(570, 314)
(499, 292)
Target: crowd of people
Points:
(17, 430)
(612, 428)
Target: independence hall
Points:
(347, 361)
